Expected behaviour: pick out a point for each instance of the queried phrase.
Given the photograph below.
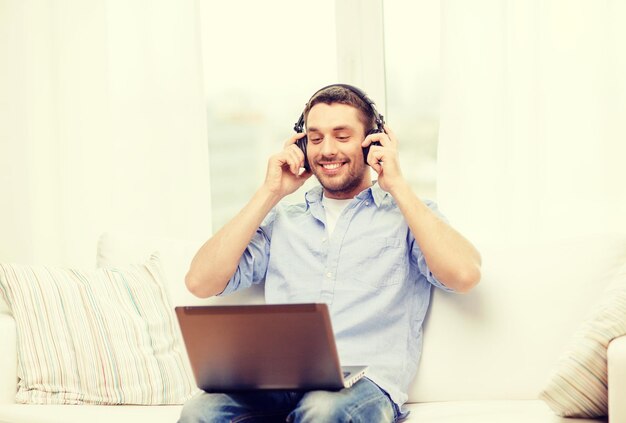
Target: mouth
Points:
(331, 167)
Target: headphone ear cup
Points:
(366, 150)
(301, 143)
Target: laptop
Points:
(251, 347)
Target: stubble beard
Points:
(344, 184)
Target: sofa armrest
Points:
(616, 357)
(8, 359)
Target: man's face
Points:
(334, 150)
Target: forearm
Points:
(216, 261)
(450, 257)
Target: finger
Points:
(379, 137)
(291, 162)
(305, 174)
(376, 157)
(376, 164)
(294, 159)
(391, 134)
(293, 139)
(299, 154)
(284, 160)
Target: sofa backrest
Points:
(498, 341)
(119, 249)
(502, 340)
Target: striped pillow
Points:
(578, 386)
(106, 336)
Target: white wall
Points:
(532, 136)
(102, 126)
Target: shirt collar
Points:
(375, 193)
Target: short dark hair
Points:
(343, 95)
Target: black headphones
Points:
(380, 122)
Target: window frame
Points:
(361, 47)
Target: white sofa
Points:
(486, 354)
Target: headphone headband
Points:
(380, 120)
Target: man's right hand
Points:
(217, 260)
(284, 169)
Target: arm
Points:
(217, 260)
(451, 258)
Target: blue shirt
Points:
(371, 273)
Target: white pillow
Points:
(105, 336)
(578, 386)
(4, 307)
(121, 249)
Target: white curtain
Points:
(533, 118)
(102, 125)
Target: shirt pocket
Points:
(377, 263)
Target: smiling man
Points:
(370, 250)
(337, 164)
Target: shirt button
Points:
(367, 203)
(329, 275)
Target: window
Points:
(411, 30)
(259, 73)
(260, 68)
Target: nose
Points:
(328, 147)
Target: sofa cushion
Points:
(117, 248)
(20, 413)
(504, 411)
(438, 412)
(105, 336)
(578, 386)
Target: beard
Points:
(345, 183)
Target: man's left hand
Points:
(384, 159)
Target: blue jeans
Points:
(363, 402)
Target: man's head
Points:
(343, 95)
(337, 121)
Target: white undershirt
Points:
(333, 209)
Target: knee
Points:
(191, 415)
(204, 408)
(192, 412)
(343, 407)
(320, 406)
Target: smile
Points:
(331, 166)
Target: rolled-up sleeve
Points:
(254, 260)
(417, 256)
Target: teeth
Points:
(331, 165)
